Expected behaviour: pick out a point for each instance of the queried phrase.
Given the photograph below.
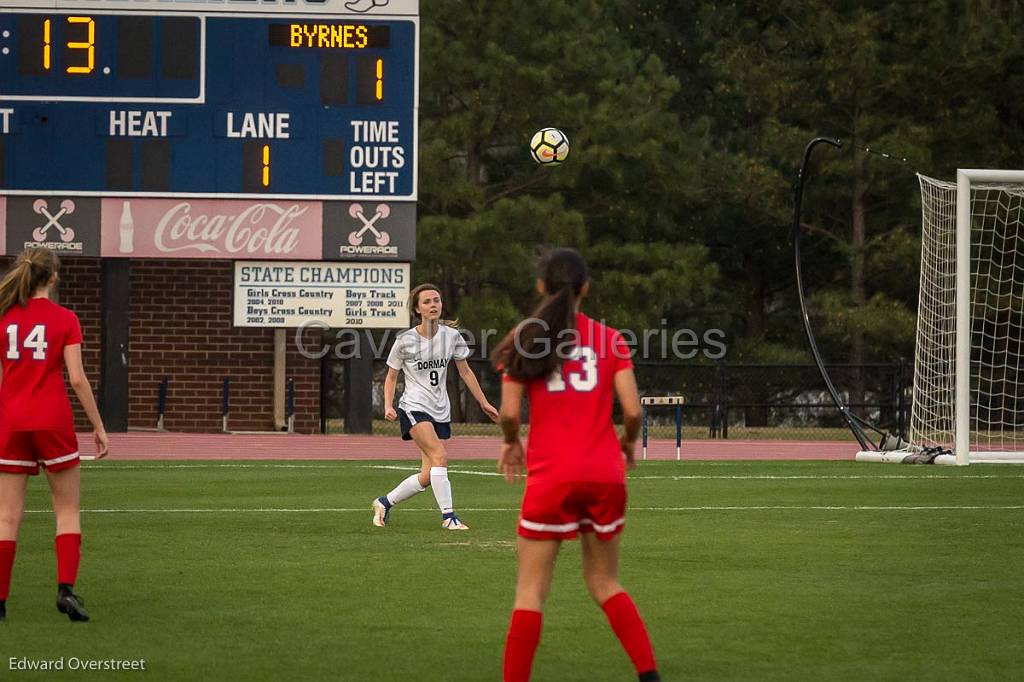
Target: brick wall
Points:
(181, 316)
(181, 329)
(80, 290)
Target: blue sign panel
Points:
(137, 103)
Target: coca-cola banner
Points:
(211, 228)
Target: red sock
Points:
(521, 644)
(69, 553)
(629, 628)
(7, 548)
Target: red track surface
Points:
(183, 446)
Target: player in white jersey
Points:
(424, 353)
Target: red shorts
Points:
(22, 452)
(558, 511)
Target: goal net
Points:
(969, 361)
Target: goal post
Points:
(969, 358)
(1011, 184)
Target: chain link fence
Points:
(723, 400)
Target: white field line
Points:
(770, 477)
(365, 510)
(269, 465)
(467, 472)
(735, 477)
(701, 477)
(466, 463)
(471, 472)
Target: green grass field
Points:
(743, 571)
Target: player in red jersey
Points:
(569, 366)
(39, 339)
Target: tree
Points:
(687, 121)
(489, 80)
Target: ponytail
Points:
(32, 270)
(529, 350)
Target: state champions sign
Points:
(330, 295)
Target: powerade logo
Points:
(64, 224)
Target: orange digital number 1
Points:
(380, 80)
(46, 44)
(266, 165)
(89, 45)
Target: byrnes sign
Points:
(159, 228)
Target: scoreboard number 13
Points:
(88, 45)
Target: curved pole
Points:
(798, 192)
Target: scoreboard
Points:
(289, 99)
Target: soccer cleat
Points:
(650, 676)
(380, 513)
(453, 523)
(72, 605)
(3, 610)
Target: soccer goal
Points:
(969, 362)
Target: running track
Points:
(272, 446)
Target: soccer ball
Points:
(549, 146)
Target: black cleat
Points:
(3, 610)
(72, 605)
(650, 676)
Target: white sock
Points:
(442, 488)
(406, 489)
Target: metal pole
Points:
(798, 194)
(290, 406)
(901, 399)
(679, 432)
(280, 383)
(225, 401)
(161, 404)
(644, 409)
(962, 429)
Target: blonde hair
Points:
(414, 299)
(32, 270)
